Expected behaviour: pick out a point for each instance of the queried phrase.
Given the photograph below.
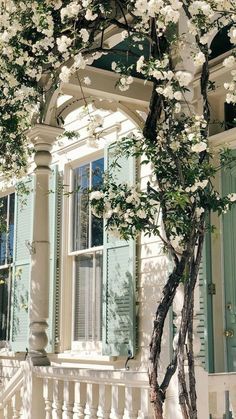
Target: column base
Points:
(38, 358)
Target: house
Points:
(88, 298)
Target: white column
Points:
(43, 137)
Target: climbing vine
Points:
(43, 43)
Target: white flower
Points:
(199, 59)
(141, 214)
(89, 15)
(178, 95)
(170, 14)
(96, 195)
(232, 35)
(63, 43)
(141, 7)
(84, 35)
(199, 147)
(229, 62)
(65, 74)
(140, 64)
(232, 197)
(108, 214)
(79, 61)
(113, 65)
(175, 145)
(184, 78)
(199, 212)
(177, 108)
(87, 81)
(202, 184)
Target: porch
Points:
(61, 392)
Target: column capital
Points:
(43, 136)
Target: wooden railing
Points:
(11, 398)
(222, 395)
(81, 393)
(77, 393)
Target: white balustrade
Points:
(57, 400)
(74, 393)
(68, 403)
(47, 395)
(90, 411)
(90, 394)
(104, 405)
(116, 399)
(11, 398)
(79, 400)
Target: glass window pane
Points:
(11, 228)
(3, 229)
(83, 277)
(88, 311)
(4, 274)
(81, 208)
(97, 173)
(97, 223)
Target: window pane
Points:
(88, 277)
(11, 228)
(3, 303)
(97, 223)
(81, 208)
(3, 229)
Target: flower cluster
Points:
(126, 209)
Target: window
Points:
(7, 205)
(87, 242)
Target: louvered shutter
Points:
(202, 327)
(21, 268)
(22, 260)
(119, 328)
(54, 237)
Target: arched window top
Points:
(220, 43)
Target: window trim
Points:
(82, 346)
(9, 266)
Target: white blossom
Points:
(184, 78)
(97, 195)
(229, 62)
(199, 147)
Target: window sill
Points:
(95, 361)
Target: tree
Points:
(45, 41)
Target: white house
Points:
(92, 295)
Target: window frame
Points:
(8, 265)
(87, 346)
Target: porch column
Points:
(42, 137)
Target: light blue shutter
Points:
(21, 268)
(54, 237)
(202, 327)
(119, 329)
(22, 260)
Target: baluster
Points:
(232, 400)
(16, 405)
(80, 398)
(5, 412)
(104, 401)
(47, 395)
(144, 404)
(57, 400)
(217, 404)
(131, 398)
(117, 399)
(68, 396)
(90, 411)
